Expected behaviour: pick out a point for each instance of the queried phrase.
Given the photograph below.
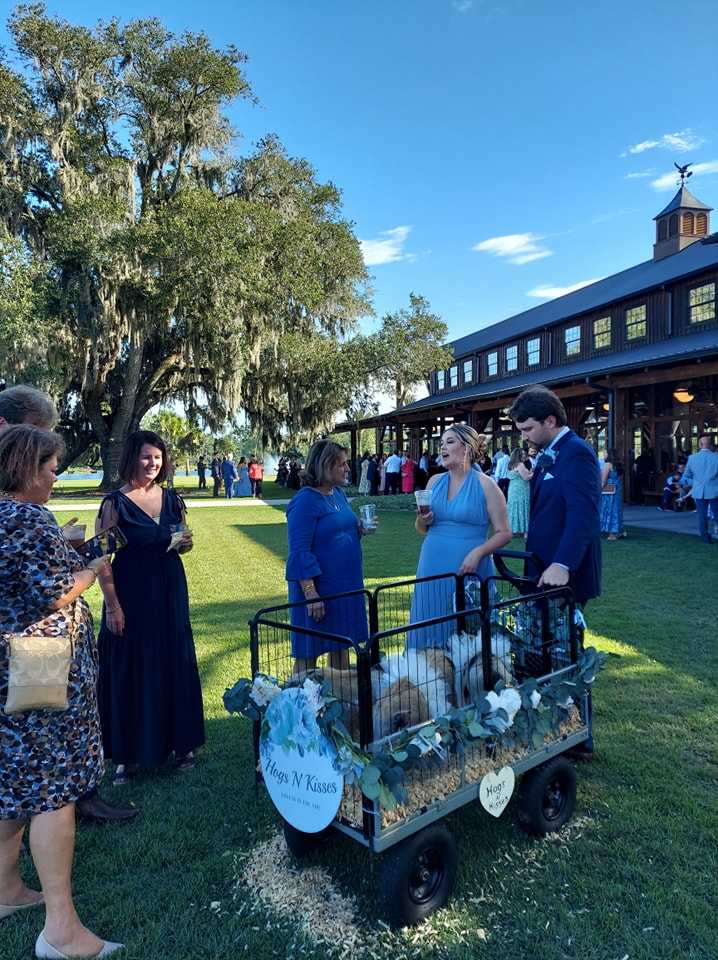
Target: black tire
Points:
(302, 845)
(417, 876)
(547, 797)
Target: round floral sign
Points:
(298, 760)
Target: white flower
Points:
(535, 699)
(312, 691)
(493, 699)
(510, 701)
(263, 691)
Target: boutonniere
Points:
(546, 459)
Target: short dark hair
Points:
(537, 403)
(22, 404)
(320, 459)
(127, 467)
(24, 449)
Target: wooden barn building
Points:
(634, 357)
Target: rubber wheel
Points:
(302, 845)
(417, 876)
(547, 797)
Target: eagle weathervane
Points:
(684, 173)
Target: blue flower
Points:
(546, 459)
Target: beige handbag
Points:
(39, 669)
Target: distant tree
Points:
(171, 270)
(405, 350)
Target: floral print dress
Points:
(48, 758)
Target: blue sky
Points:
(492, 154)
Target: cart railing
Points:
(503, 628)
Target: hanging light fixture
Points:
(683, 394)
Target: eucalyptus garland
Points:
(514, 717)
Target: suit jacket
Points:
(702, 472)
(564, 521)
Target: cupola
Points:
(682, 222)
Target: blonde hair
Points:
(469, 437)
(320, 460)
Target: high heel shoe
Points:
(7, 911)
(46, 951)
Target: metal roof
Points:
(648, 355)
(684, 198)
(699, 256)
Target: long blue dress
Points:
(242, 486)
(612, 506)
(459, 525)
(324, 546)
(149, 689)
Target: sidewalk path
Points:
(217, 502)
(651, 518)
(648, 517)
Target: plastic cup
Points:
(423, 500)
(75, 535)
(368, 516)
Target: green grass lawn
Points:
(632, 875)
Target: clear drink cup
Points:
(368, 516)
(75, 534)
(423, 500)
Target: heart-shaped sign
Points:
(495, 790)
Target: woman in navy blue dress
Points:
(325, 558)
(149, 690)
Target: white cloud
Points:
(638, 176)
(387, 250)
(681, 142)
(517, 248)
(546, 292)
(669, 181)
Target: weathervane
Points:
(684, 172)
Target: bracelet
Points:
(308, 586)
(112, 611)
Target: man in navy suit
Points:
(564, 518)
(702, 474)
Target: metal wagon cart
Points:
(508, 633)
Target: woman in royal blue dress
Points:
(612, 495)
(149, 690)
(325, 558)
(464, 503)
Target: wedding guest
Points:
(464, 503)
(612, 495)
(229, 475)
(407, 474)
(701, 473)
(49, 758)
(202, 473)
(242, 486)
(149, 693)
(26, 405)
(519, 495)
(256, 472)
(564, 519)
(325, 558)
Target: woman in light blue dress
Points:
(242, 486)
(464, 503)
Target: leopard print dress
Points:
(47, 758)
